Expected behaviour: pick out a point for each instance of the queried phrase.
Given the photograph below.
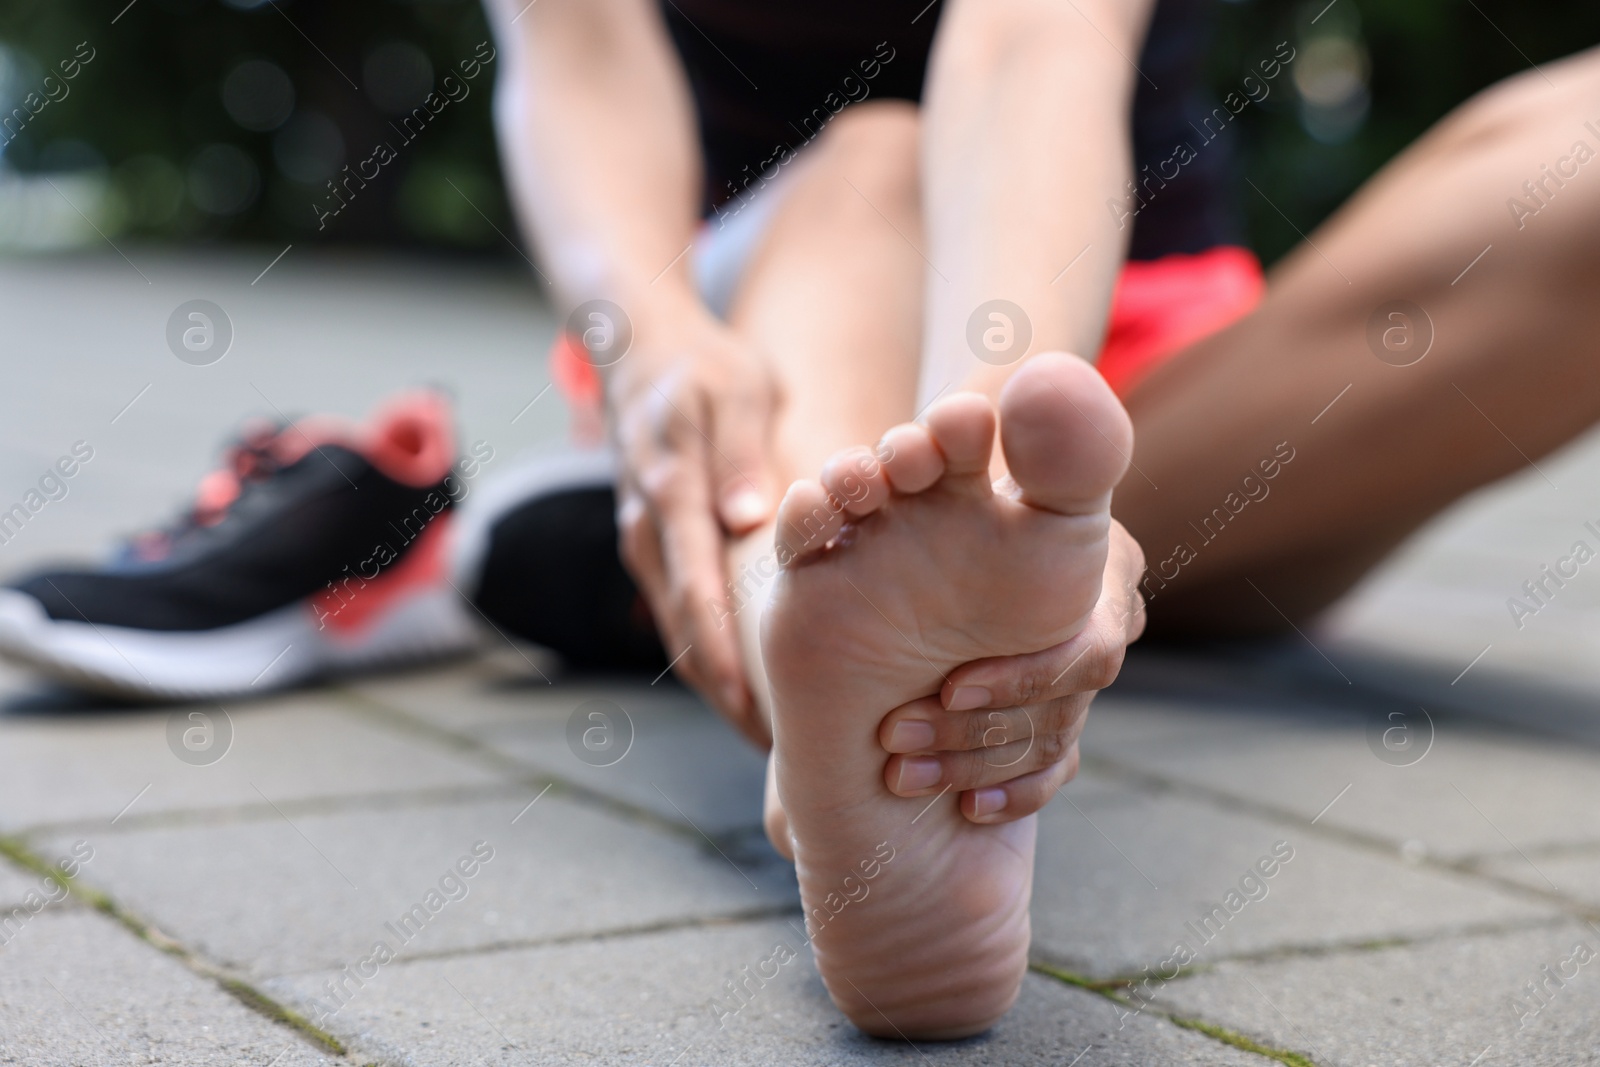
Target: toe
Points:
(857, 479)
(963, 427)
(910, 458)
(808, 519)
(1065, 434)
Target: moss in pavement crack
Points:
(248, 995)
(1111, 988)
(1239, 1041)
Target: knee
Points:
(874, 146)
(1509, 106)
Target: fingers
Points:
(924, 725)
(1011, 744)
(1019, 797)
(673, 544)
(1086, 662)
(738, 431)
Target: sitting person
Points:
(805, 382)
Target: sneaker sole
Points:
(273, 651)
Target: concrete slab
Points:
(1126, 875)
(77, 990)
(656, 999)
(269, 895)
(684, 762)
(16, 883)
(1463, 1001)
(1442, 599)
(1574, 874)
(95, 767)
(1477, 790)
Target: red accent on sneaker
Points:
(410, 439)
(348, 606)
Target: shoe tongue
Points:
(410, 439)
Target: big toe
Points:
(1065, 434)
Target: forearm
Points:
(597, 130)
(1027, 135)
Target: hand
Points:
(1003, 732)
(690, 406)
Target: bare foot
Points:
(893, 574)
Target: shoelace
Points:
(250, 458)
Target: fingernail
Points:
(919, 772)
(987, 802)
(911, 735)
(744, 508)
(967, 697)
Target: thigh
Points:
(833, 291)
(1500, 307)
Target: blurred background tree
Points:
(224, 120)
(1367, 80)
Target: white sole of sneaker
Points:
(280, 649)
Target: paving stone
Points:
(1575, 874)
(685, 763)
(1125, 876)
(654, 1000)
(16, 883)
(1442, 598)
(77, 990)
(267, 895)
(90, 766)
(1478, 790)
(1451, 1002)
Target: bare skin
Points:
(897, 223)
(712, 418)
(879, 596)
(1513, 358)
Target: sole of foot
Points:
(899, 564)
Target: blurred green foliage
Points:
(152, 101)
(1423, 58)
(151, 110)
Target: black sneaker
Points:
(320, 547)
(537, 553)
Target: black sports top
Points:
(767, 74)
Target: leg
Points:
(1512, 357)
(833, 296)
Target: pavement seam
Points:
(401, 720)
(1220, 1034)
(764, 913)
(256, 812)
(1311, 951)
(1466, 867)
(236, 987)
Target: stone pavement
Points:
(1435, 900)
